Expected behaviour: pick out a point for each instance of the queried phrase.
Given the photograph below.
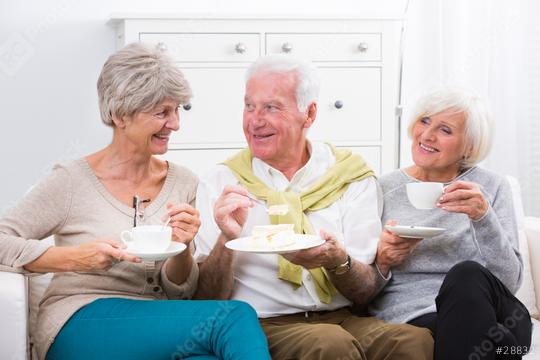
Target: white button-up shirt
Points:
(354, 219)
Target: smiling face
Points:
(150, 131)
(438, 146)
(273, 126)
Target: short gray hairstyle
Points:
(478, 119)
(137, 78)
(308, 83)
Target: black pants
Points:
(476, 315)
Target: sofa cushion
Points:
(13, 306)
(526, 292)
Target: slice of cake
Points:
(281, 209)
(273, 236)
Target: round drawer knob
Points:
(362, 47)
(286, 47)
(338, 104)
(187, 106)
(240, 48)
(161, 46)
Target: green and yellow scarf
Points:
(348, 168)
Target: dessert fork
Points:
(280, 209)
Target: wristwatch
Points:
(342, 268)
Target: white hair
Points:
(478, 120)
(137, 78)
(308, 83)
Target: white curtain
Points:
(491, 47)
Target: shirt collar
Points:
(320, 159)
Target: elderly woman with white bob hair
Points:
(103, 302)
(460, 283)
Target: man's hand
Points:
(393, 250)
(328, 255)
(231, 210)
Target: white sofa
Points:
(20, 294)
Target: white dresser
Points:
(358, 61)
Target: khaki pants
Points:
(339, 335)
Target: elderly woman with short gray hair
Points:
(103, 302)
(460, 283)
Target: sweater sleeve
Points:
(186, 289)
(183, 291)
(361, 219)
(497, 238)
(41, 213)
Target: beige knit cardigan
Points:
(75, 207)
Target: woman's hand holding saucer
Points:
(99, 255)
(393, 250)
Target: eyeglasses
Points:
(138, 215)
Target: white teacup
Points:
(424, 195)
(148, 238)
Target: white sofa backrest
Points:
(526, 292)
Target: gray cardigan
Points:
(491, 241)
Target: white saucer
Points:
(414, 232)
(174, 249)
(302, 242)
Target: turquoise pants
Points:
(161, 330)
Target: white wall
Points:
(51, 53)
(492, 48)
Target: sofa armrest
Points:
(4, 268)
(14, 315)
(532, 230)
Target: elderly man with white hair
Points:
(303, 299)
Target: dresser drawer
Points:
(327, 47)
(349, 107)
(215, 116)
(371, 154)
(207, 48)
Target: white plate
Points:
(415, 232)
(301, 242)
(174, 249)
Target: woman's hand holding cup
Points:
(184, 221)
(464, 197)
